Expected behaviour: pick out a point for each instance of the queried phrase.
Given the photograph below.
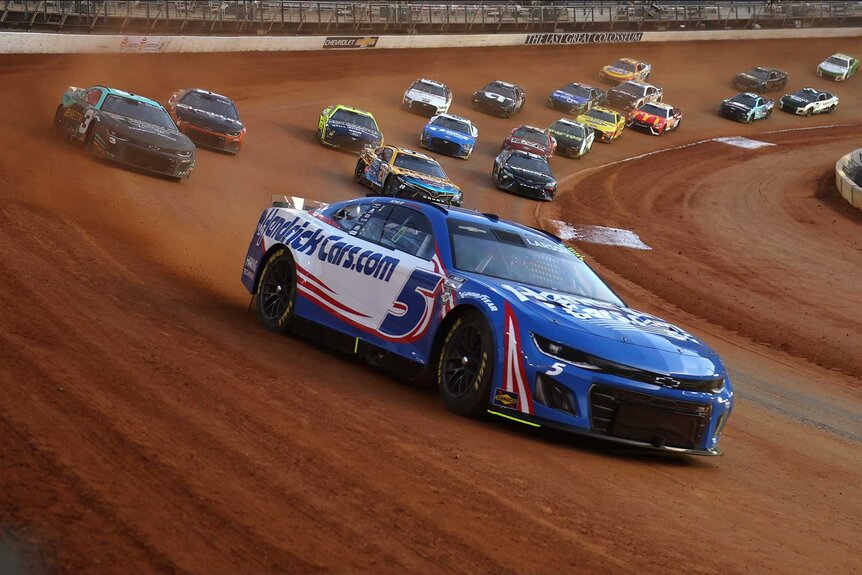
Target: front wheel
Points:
(276, 293)
(465, 368)
(57, 127)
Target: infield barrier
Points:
(846, 169)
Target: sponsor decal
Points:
(514, 377)
(507, 399)
(481, 297)
(73, 114)
(140, 44)
(584, 38)
(350, 42)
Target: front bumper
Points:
(570, 151)
(536, 191)
(416, 193)
(568, 108)
(835, 76)
(347, 142)
(423, 108)
(209, 139)
(734, 114)
(446, 147)
(646, 128)
(490, 107)
(143, 157)
(791, 109)
(606, 136)
(613, 79)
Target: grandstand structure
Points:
(266, 17)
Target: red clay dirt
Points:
(149, 425)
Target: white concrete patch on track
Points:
(741, 142)
(599, 235)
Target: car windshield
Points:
(130, 108)
(759, 73)
(630, 89)
(654, 110)
(745, 100)
(524, 257)
(209, 103)
(421, 165)
(430, 88)
(837, 61)
(575, 130)
(601, 115)
(624, 65)
(505, 91)
(350, 117)
(807, 95)
(531, 135)
(576, 90)
(452, 124)
(530, 163)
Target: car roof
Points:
(130, 95)
(630, 60)
(568, 122)
(661, 105)
(432, 82)
(208, 93)
(602, 109)
(532, 128)
(410, 152)
(638, 84)
(749, 94)
(502, 83)
(359, 111)
(452, 117)
(841, 55)
(526, 154)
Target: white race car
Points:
(838, 67)
(428, 97)
(809, 101)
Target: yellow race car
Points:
(405, 173)
(608, 124)
(625, 69)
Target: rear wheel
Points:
(389, 187)
(57, 127)
(276, 293)
(88, 140)
(359, 171)
(466, 365)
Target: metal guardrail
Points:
(410, 17)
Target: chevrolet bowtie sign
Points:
(350, 42)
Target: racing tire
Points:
(88, 140)
(276, 292)
(808, 112)
(465, 366)
(56, 128)
(769, 113)
(389, 187)
(359, 171)
(830, 109)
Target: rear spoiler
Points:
(296, 203)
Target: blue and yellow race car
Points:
(405, 173)
(348, 128)
(510, 321)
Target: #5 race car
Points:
(428, 97)
(348, 128)
(631, 95)
(838, 67)
(625, 69)
(511, 322)
(500, 99)
(573, 139)
(209, 119)
(404, 173)
(760, 80)
(525, 174)
(125, 128)
(608, 124)
(451, 135)
(746, 107)
(655, 118)
(576, 98)
(531, 139)
(809, 101)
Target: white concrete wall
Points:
(848, 189)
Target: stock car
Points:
(625, 69)
(525, 174)
(125, 128)
(573, 139)
(348, 128)
(760, 80)
(531, 139)
(631, 95)
(576, 98)
(838, 67)
(509, 321)
(450, 135)
(427, 97)
(500, 99)
(608, 124)
(809, 101)
(655, 118)
(746, 107)
(209, 119)
(405, 173)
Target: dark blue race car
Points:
(576, 98)
(511, 321)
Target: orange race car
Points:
(209, 119)
(625, 69)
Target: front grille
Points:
(149, 161)
(205, 139)
(444, 146)
(348, 142)
(648, 418)
(423, 108)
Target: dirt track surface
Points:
(148, 425)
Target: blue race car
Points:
(746, 107)
(510, 320)
(450, 135)
(576, 98)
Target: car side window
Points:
(349, 218)
(758, 102)
(821, 98)
(386, 154)
(399, 228)
(93, 96)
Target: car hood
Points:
(529, 176)
(616, 333)
(617, 72)
(736, 105)
(565, 137)
(420, 96)
(529, 146)
(353, 129)
(447, 134)
(648, 118)
(493, 97)
(832, 68)
(747, 80)
(209, 120)
(567, 98)
(436, 185)
(147, 133)
(595, 123)
(795, 100)
(619, 95)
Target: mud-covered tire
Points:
(88, 140)
(276, 292)
(465, 367)
(389, 187)
(359, 171)
(56, 127)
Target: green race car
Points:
(348, 128)
(838, 67)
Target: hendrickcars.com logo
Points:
(584, 38)
(350, 41)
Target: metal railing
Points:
(411, 17)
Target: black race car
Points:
(209, 119)
(500, 99)
(760, 80)
(125, 128)
(525, 174)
